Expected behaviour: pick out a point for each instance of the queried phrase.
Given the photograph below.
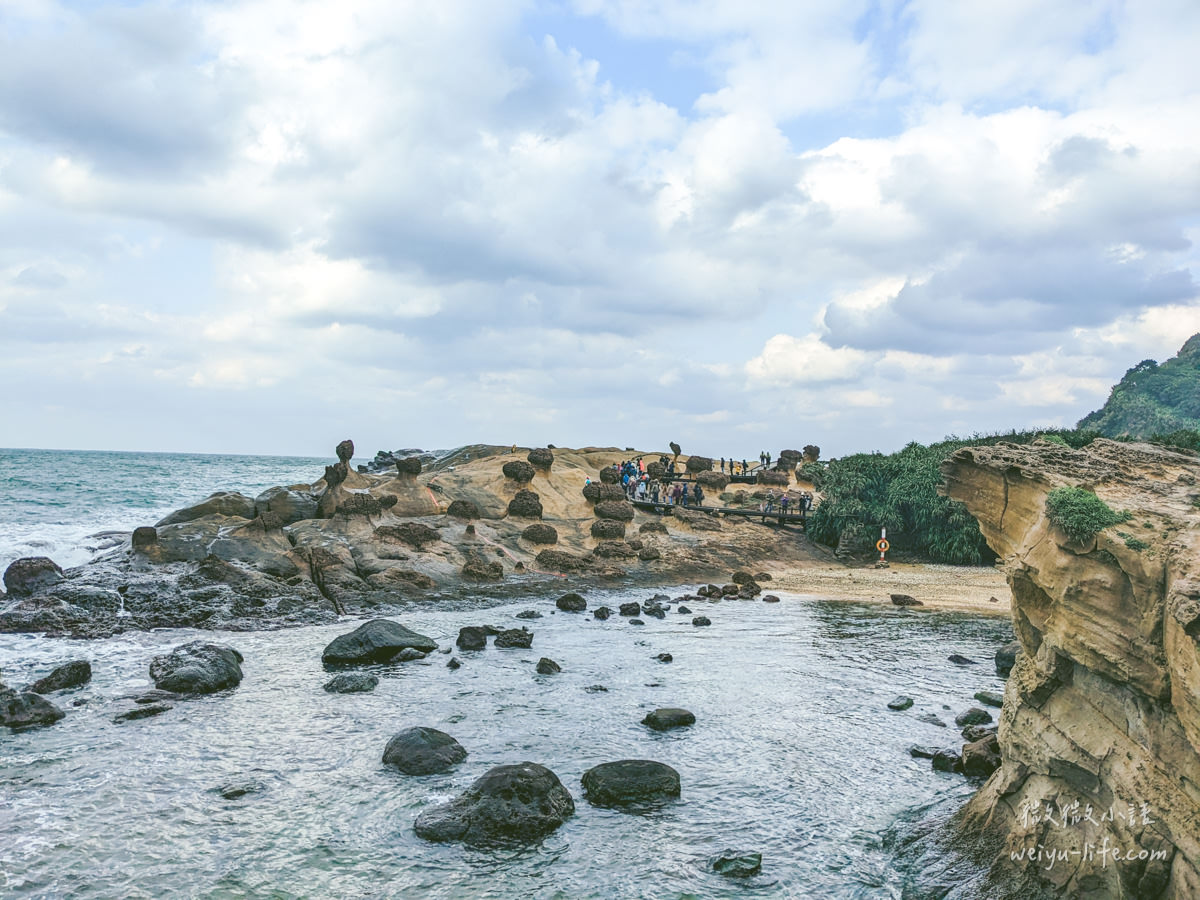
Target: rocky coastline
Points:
(1098, 790)
(481, 524)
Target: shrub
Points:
(1134, 544)
(1079, 513)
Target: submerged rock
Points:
(701, 621)
(900, 703)
(547, 666)
(981, 757)
(197, 668)
(737, 864)
(528, 614)
(145, 711)
(973, 716)
(601, 613)
(73, 674)
(666, 718)
(959, 660)
(375, 641)
(630, 781)
(630, 609)
(423, 751)
(989, 698)
(351, 683)
(508, 806)
(471, 637)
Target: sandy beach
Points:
(967, 588)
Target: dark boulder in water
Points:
(197, 668)
(981, 757)
(374, 642)
(351, 683)
(989, 698)
(666, 718)
(26, 710)
(973, 716)
(571, 603)
(701, 620)
(30, 574)
(665, 657)
(69, 675)
(683, 610)
(601, 613)
(515, 637)
(423, 751)
(1006, 658)
(144, 711)
(630, 609)
(947, 761)
(737, 864)
(472, 637)
(547, 666)
(900, 703)
(630, 781)
(509, 806)
(529, 614)
(959, 660)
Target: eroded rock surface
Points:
(1102, 705)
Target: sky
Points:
(263, 226)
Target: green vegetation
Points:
(1079, 513)
(1134, 544)
(1153, 399)
(899, 491)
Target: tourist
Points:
(684, 496)
(783, 504)
(698, 498)
(722, 464)
(770, 501)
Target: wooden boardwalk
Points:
(667, 509)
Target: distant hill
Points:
(1153, 399)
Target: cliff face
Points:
(1102, 708)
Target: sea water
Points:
(793, 755)
(71, 504)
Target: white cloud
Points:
(790, 360)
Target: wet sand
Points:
(969, 588)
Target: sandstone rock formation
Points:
(526, 505)
(541, 458)
(1103, 704)
(409, 467)
(540, 533)
(519, 471)
(699, 464)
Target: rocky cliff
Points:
(1098, 795)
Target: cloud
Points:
(801, 360)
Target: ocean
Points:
(69, 505)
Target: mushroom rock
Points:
(345, 451)
(526, 505)
(540, 533)
(713, 480)
(699, 464)
(788, 460)
(463, 509)
(409, 467)
(608, 529)
(675, 448)
(656, 470)
(519, 471)
(541, 458)
(609, 475)
(772, 477)
(621, 510)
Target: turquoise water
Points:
(60, 503)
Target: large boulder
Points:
(772, 477)
(375, 641)
(540, 533)
(515, 637)
(344, 451)
(73, 674)
(620, 510)
(609, 475)
(596, 491)
(414, 534)
(788, 460)
(222, 503)
(525, 505)
(518, 471)
(607, 530)
(508, 806)
(30, 574)
(463, 509)
(571, 602)
(716, 481)
(541, 458)
(197, 668)
(423, 751)
(699, 464)
(472, 637)
(286, 505)
(981, 757)
(24, 709)
(630, 781)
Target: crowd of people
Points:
(638, 485)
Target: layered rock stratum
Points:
(1098, 792)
